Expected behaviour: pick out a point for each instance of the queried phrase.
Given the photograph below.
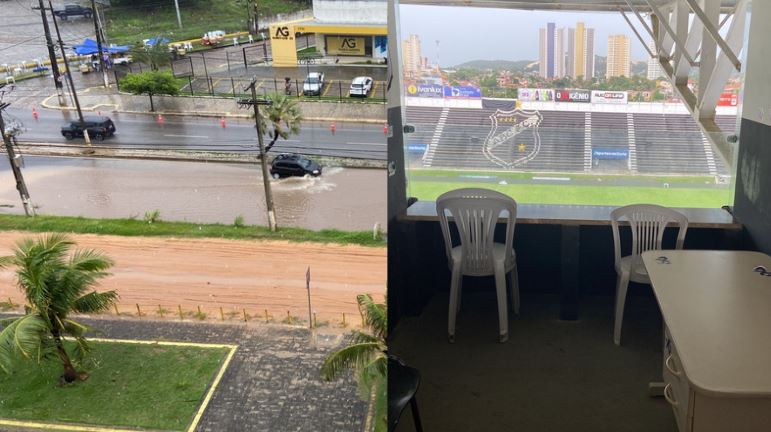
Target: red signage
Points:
(728, 99)
(572, 95)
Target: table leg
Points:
(570, 271)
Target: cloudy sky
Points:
(466, 34)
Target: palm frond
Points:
(76, 329)
(24, 336)
(82, 350)
(375, 315)
(89, 260)
(95, 302)
(7, 261)
(351, 356)
(5, 322)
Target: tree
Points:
(156, 55)
(150, 83)
(366, 354)
(55, 283)
(284, 116)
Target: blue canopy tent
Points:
(89, 47)
(156, 41)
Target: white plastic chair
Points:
(476, 212)
(647, 222)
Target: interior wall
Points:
(752, 206)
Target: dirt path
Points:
(232, 274)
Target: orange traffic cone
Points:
(385, 129)
(332, 128)
(160, 119)
(222, 122)
(34, 113)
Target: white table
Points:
(717, 337)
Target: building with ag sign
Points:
(342, 28)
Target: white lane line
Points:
(366, 143)
(186, 136)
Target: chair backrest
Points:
(476, 212)
(647, 222)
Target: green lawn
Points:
(569, 194)
(135, 227)
(147, 386)
(506, 175)
(129, 24)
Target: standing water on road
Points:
(342, 198)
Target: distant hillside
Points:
(601, 66)
(517, 65)
(639, 67)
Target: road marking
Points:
(552, 178)
(186, 136)
(365, 143)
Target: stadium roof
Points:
(567, 5)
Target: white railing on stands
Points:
(632, 107)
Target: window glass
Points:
(554, 108)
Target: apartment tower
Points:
(618, 56)
(412, 56)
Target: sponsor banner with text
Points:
(611, 154)
(283, 45)
(728, 99)
(425, 90)
(345, 45)
(609, 97)
(462, 92)
(535, 95)
(583, 96)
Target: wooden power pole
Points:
(14, 161)
(254, 102)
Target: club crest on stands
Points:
(510, 133)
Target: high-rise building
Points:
(654, 67)
(411, 55)
(551, 52)
(589, 53)
(570, 65)
(618, 56)
(582, 56)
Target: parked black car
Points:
(73, 10)
(98, 128)
(287, 165)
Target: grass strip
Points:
(130, 385)
(567, 194)
(135, 227)
(608, 178)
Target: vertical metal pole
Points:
(227, 58)
(308, 287)
(94, 13)
(179, 18)
(72, 84)
(264, 162)
(246, 66)
(52, 56)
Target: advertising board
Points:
(345, 45)
(425, 90)
(583, 96)
(464, 92)
(609, 97)
(535, 95)
(728, 99)
(611, 154)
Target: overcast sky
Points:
(466, 33)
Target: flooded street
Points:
(342, 198)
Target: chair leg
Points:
(460, 291)
(416, 415)
(514, 289)
(500, 290)
(621, 288)
(453, 310)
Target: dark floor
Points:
(551, 375)
(272, 384)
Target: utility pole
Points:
(52, 57)
(95, 15)
(72, 84)
(179, 18)
(256, 17)
(254, 102)
(13, 160)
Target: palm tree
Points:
(55, 283)
(156, 55)
(366, 354)
(284, 116)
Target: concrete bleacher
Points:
(662, 143)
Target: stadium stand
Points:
(664, 143)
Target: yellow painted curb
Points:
(196, 418)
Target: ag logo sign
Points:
(282, 32)
(345, 45)
(513, 139)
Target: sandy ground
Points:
(231, 274)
